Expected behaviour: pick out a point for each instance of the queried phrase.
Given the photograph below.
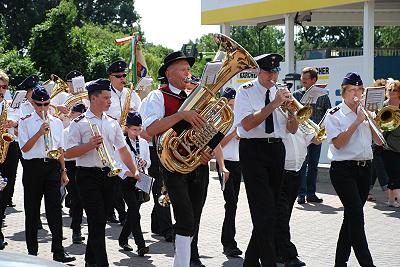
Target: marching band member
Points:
(230, 150)
(76, 208)
(186, 191)
(139, 149)
(119, 93)
(350, 137)
(391, 155)
(42, 175)
(261, 128)
(95, 187)
(296, 152)
(26, 107)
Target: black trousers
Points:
(95, 188)
(187, 194)
(40, 179)
(9, 169)
(161, 222)
(231, 196)
(262, 166)
(75, 198)
(290, 187)
(351, 183)
(118, 201)
(132, 223)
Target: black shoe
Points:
(2, 244)
(314, 199)
(301, 200)
(126, 247)
(77, 237)
(169, 237)
(232, 251)
(87, 264)
(63, 257)
(294, 262)
(279, 259)
(196, 263)
(11, 204)
(122, 221)
(142, 251)
(112, 219)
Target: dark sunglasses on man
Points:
(120, 76)
(5, 86)
(41, 104)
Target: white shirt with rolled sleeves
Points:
(66, 134)
(25, 108)
(80, 133)
(29, 125)
(144, 154)
(250, 98)
(338, 120)
(152, 108)
(296, 150)
(231, 149)
(118, 99)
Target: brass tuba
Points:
(180, 151)
(60, 85)
(104, 154)
(5, 137)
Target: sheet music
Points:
(312, 94)
(374, 98)
(79, 84)
(145, 183)
(19, 96)
(210, 72)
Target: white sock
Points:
(182, 251)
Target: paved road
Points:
(314, 230)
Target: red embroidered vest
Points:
(172, 101)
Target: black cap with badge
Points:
(72, 74)
(99, 85)
(29, 82)
(352, 78)
(117, 66)
(134, 119)
(40, 94)
(269, 62)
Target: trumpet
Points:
(52, 151)
(104, 154)
(371, 122)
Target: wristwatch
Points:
(63, 170)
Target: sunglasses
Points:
(120, 76)
(393, 90)
(4, 86)
(42, 104)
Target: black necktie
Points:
(183, 95)
(269, 121)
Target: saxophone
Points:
(126, 107)
(6, 138)
(179, 151)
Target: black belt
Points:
(271, 140)
(40, 160)
(358, 163)
(94, 169)
(293, 173)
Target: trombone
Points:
(52, 151)
(104, 154)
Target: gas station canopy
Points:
(311, 12)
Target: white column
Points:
(226, 29)
(289, 43)
(368, 41)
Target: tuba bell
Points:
(5, 137)
(60, 85)
(179, 151)
(388, 118)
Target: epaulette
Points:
(27, 116)
(77, 119)
(248, 85)
(111, 117)
(333, 111)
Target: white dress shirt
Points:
(296, 149)
(80, 133)
(250, 98)
(12, 114)
(231, 149)
(60, 98)
(153, 108)
(29, 125)
(144, 154)
(118, 101)
(338, 120)
(25, 108)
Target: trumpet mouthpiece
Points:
(355, 99)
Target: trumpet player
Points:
(261, 128)
(94, 152)
(309, 171)
(350, 138)
(42, 175)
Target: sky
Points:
(172, 23)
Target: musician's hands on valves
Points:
(44, 129)
(95, 141)
(194, 118)
(282, 95)
(10, 124)
(63, 109)
(205, 157)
